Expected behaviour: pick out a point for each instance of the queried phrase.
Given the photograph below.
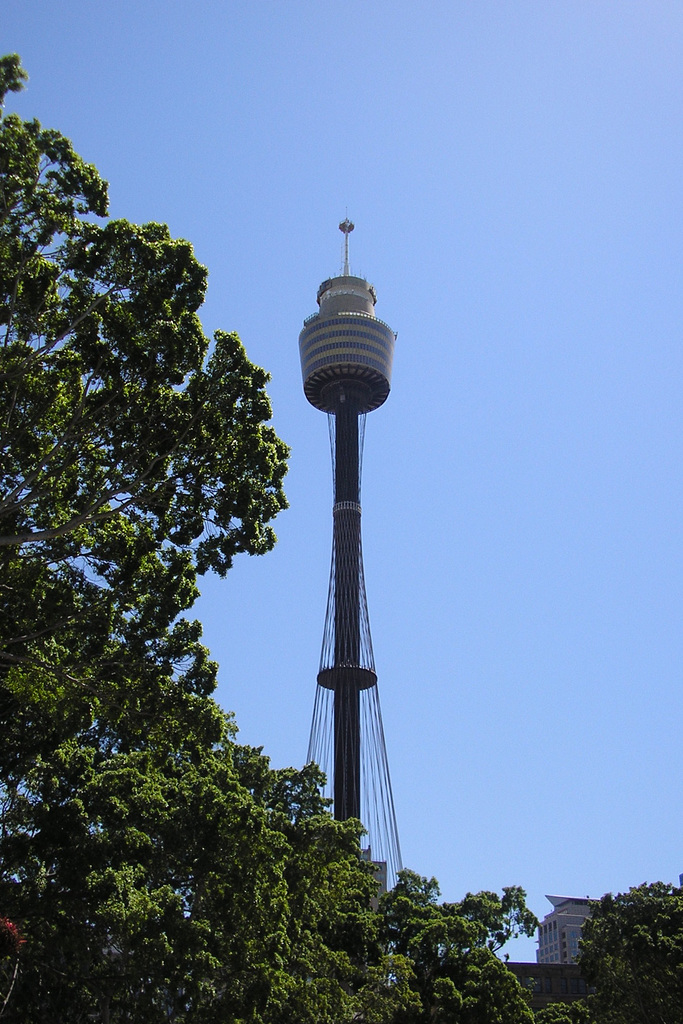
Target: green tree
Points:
(150, 886)
(191, 883)
(499, 918)
(450, 949)
(134, 457)
(332, 931)
(565, 1013)
(632, 952)
(144, 873)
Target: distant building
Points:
(550, 983)
(379, 871)
(560, 931)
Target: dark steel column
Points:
(347, 605)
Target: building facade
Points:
(560, 930)
(550, 983)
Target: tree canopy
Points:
(135, 455)
(450, 948)
(565, 1013)
(190, 886)
(632, 952)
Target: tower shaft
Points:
(347, 528)
(348, 573)
(346, 748)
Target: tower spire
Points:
(347, 227)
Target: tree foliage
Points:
(577, 1012)
(450, 947)
(132, 458)
(632, 952)
(499, 918)
(191, 884)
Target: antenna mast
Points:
(347, 227)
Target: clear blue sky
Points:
(515, 173)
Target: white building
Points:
(560, 930)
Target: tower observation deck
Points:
(346, 361)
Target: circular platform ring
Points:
(361, 678)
